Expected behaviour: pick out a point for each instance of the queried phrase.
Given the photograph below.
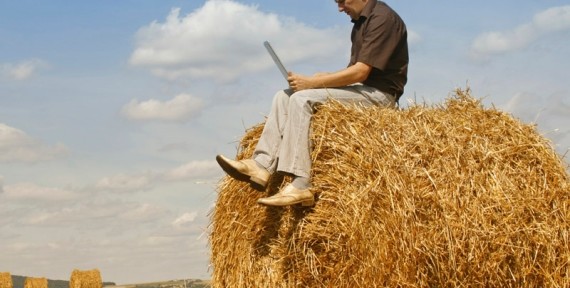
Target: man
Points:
(376, 75)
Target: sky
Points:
(112, 112)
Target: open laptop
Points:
(276, 59)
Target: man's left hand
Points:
(299, 82)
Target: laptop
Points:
(276, 59)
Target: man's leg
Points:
(257, 170)
(267, 149)
(294, 150)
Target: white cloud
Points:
(103, 215)
(544, 23)
(223, 39)
(22, 70)
(29, 191)
(17, 146)
(413, 37)
(193, 170)
(181, 108)
(185, 220)
(42, 218)
(126, 183)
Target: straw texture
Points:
(454, 195)
(31, 282)
(85, 279)
(5, 280)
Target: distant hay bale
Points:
(31, 282)
(453, 195)
(85, 279)
(5, 280)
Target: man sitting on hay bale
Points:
(376, 75)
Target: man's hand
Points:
(356, 73)
(299, 82)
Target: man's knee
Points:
(300, 99)
(306, 100)
(297, 104)
(281, 99)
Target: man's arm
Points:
(350, 75)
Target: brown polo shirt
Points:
(380, 39)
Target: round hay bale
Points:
(5, 280)
(453, 195)
(85, 279)
(33, 282)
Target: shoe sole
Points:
(304, 203)
(256, 183)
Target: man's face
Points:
(352, 8)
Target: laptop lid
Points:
(276, 59)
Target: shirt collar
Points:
(365, 12)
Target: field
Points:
(18, 282)
(182, 283)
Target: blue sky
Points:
(111, 112)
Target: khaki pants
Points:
(284, 145)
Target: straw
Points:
(32, 282)
(5, 280)
(449, 195)
(85, 279)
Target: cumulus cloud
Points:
(17, 146)
(181, 108)
(413, 37)
(125, 183)
(97, 214)
(30, 191)
(22, 70)
(196, 45)
(547, 22)
(193, 170)
(185, 220)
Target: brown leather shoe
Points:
(245, 170)
(289, 196)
